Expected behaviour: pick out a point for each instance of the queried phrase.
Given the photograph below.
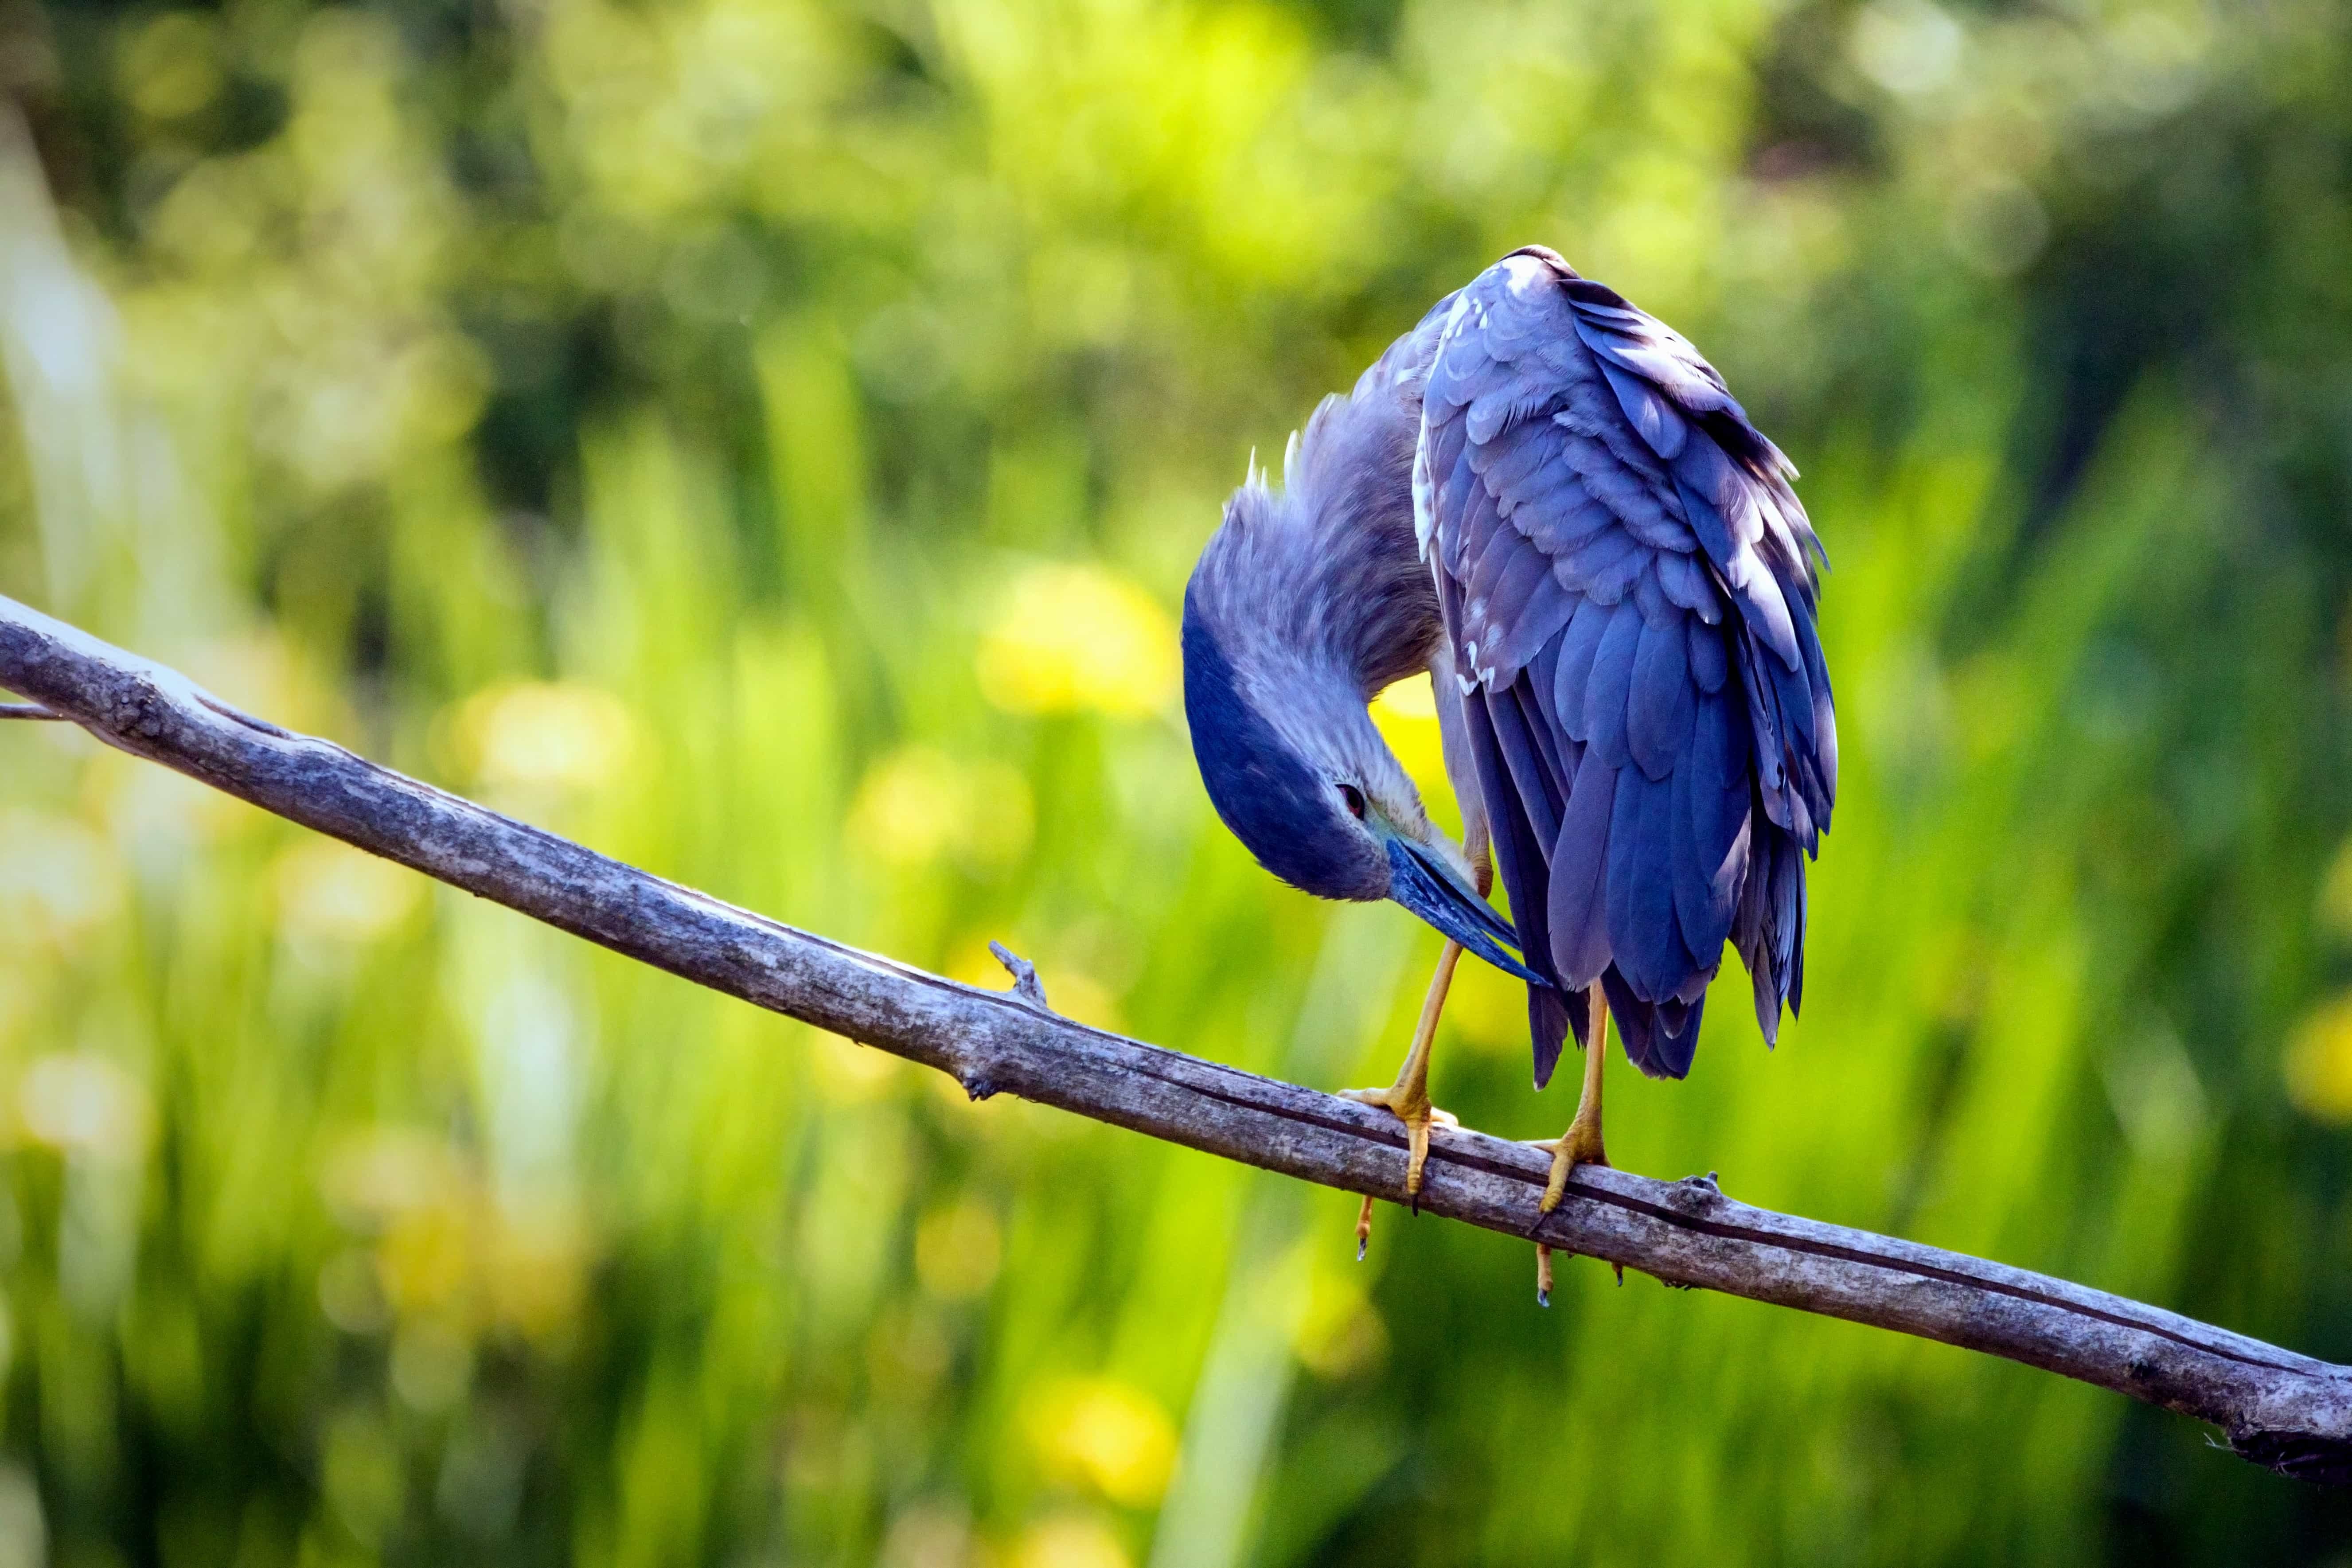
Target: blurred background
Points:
(768, 441)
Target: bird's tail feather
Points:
(1551, 1015)
(1661, 1038)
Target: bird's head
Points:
(1291, 758)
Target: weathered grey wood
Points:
(2279, 1409)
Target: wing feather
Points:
(1653, 416)
(1711, 828)
(1710, 666)
(1578, 646)
(1645, 937)
(1535, 696)
(1685, 583)
(1561, 516)
(1505, 464)
(1455, 486)
(1675, 1041)
(1602, 558)
(1612, 682)
(1542, 795)
(1578, 904)
(1525, 866)
(1526, 612)
(1476, 561)
(1658, 612)
(1660, 702)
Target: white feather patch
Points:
(1424, 491)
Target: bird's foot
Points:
(1579, 1145)
(1409, 1104)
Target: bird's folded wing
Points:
(1628, 584)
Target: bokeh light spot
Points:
(919, 804)
(544, 734)
(1078, 638)
(85, 1104)
(957, 1251)
(1108, 1434)
(329, 890)
(2318, 1062)
(1071, 1541)
(170, 66)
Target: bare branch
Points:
(2279, 1409)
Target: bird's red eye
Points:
(1355, 799)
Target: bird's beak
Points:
(1421, 880)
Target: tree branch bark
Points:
(2279, 1409)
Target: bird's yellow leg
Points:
(1409, 1095)
(1581, 1145)
(1408, 1098)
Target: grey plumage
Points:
(1552, 501)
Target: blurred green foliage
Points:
(766, 440)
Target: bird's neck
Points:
(1350, 586)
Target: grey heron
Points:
(1548, 501)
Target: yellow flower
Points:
(1078, 638)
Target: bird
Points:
(1548, 502)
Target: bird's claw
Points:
(1412, 1109)
(1417, 1116)
(1579, 1145)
